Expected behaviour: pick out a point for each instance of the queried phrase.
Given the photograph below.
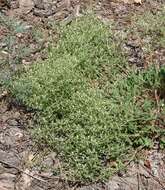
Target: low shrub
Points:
(93, 110)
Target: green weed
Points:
(93, 109)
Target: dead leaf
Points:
(25, 181)
(132, 1)
(125, 1)
(138, 1)
(3, 94)
(5, 186)
(147, 164)
(25, 6)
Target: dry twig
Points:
(21, 171)
(162, 183)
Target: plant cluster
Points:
(92, 108)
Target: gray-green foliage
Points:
(92, 108)
(17, 47)
(18, 42)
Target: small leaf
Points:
(138, 1)
(26, 6)
(132, 1)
